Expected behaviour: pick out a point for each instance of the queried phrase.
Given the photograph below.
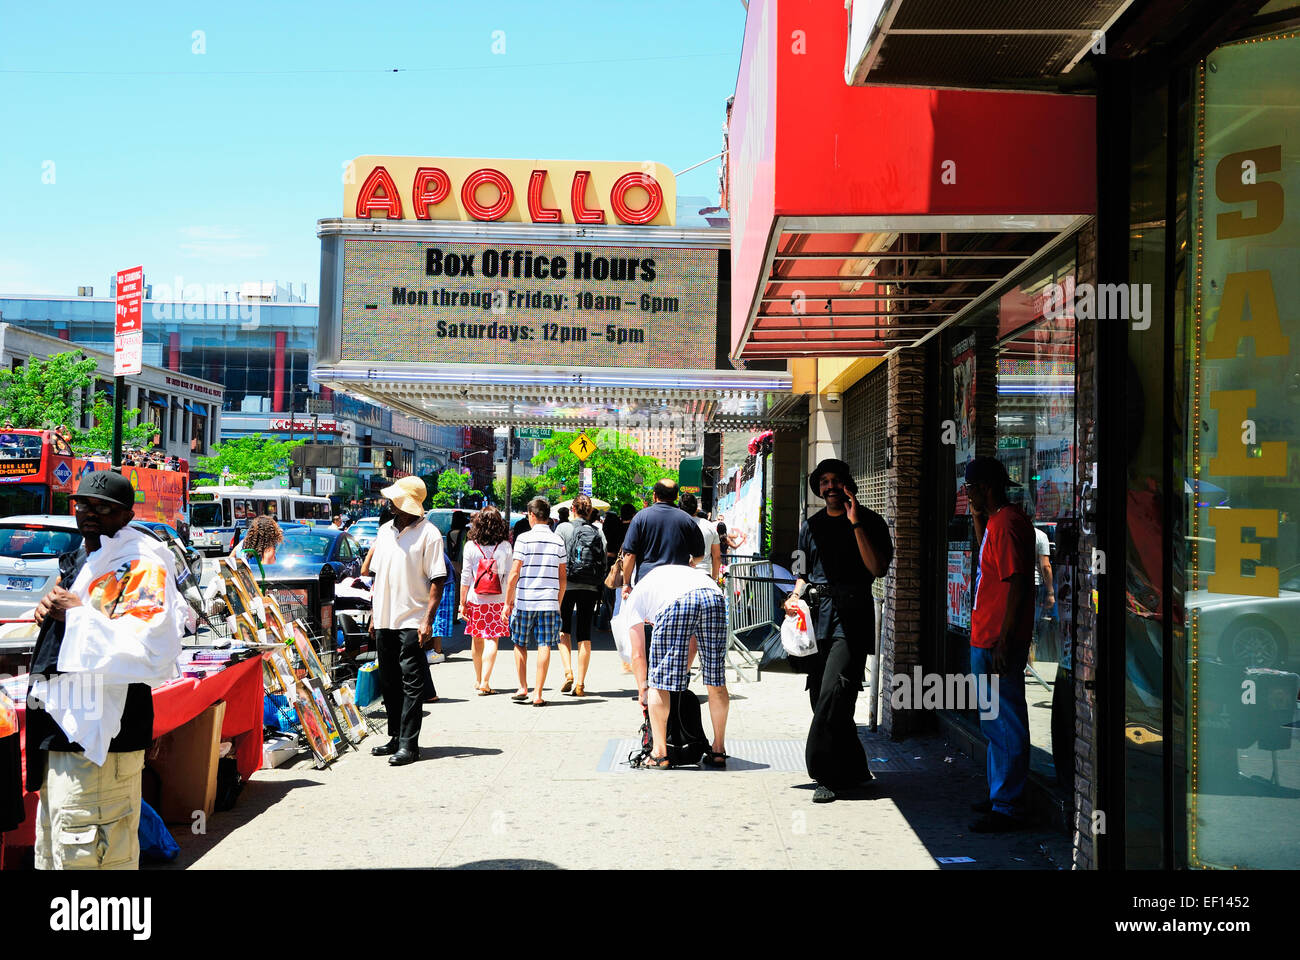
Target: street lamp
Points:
(462, 457)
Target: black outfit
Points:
(11, 780)
(839, 598)
(403, 672)
(662, 534)
(575, 613)
(43, 734)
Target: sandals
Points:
(714, 759)
(578, 691)
(656, 763)
(519, 697)
(485, 691)
(539, 703)
(568, 683)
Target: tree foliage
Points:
(249, 458)
(451, 486)
(522, 489)
(619, 473)
(43, 394)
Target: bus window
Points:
(62, 503)
(269, 507)
(240, 510)
(225, 509)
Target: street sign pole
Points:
(510, 462)
(119, 388)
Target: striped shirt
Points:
(541, 554)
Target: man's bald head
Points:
(666, 491)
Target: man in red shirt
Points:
(1002, 623)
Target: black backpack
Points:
(687, 743)
(586, 560)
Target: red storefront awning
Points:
(865, 217)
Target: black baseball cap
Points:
(988, 471)
(106, 485)
(837, 467)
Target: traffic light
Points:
(390, 458)
(514, 449)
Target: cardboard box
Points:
(185, 761)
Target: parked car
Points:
(311, 552)
(1251, 631)
(193, 559)
(364, 531)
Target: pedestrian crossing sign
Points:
(582, 446)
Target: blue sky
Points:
(216, 166)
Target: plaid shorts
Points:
(541, 627)
(701, 614)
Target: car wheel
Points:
(1253, 642)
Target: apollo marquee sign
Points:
(519, 191)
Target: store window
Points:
(1243, 514)
(1010, 394)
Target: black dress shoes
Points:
(384, 749)
(402, 757)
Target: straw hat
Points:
(407, 495)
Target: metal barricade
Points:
(751, 594)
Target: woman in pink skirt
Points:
(485, 566)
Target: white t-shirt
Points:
(664, 584)
(542, 554)
(1042, 548)
(404, 566)
(502, 555)
(710, 531)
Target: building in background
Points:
(185, 410)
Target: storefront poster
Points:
(963, 399)
(959, 600)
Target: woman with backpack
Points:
(485, 566)
(584, 579)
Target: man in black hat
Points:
(110, 630)
(1001, 627)
(842, 549)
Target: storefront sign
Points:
(305, 426)
(543, 304)
(959, 592)
(520, 191)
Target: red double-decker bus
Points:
(39, 472)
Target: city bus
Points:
(217, 512)
(39, 473)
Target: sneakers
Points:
(994, 822)
(823, 795)
(436, 658)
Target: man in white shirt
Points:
(410, 571)
(109, 632)
(683, 603)
(533, 595)
(712, 558)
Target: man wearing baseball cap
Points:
(842, 549)
(1002, 624)
(410, 571)
(110, 630)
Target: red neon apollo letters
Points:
(431, 186)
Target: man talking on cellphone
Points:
(843, 548)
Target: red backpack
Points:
(486, 579)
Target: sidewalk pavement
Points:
(511, 786)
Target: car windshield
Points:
(303, 546)
(367, 527)
(18, 541)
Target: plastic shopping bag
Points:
(797, 632)
(620, 625)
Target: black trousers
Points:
(575, 612)
(403, 670)
(834, 754)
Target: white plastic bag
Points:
(797, 632)
(620, 625)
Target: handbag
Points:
(487, 581)
(614, 579)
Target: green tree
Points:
(522, 489)
(452, 485)
(619, 474)
(249, 458)
(43, 394)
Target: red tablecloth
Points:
(173, 705)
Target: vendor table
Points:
(174, 704)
